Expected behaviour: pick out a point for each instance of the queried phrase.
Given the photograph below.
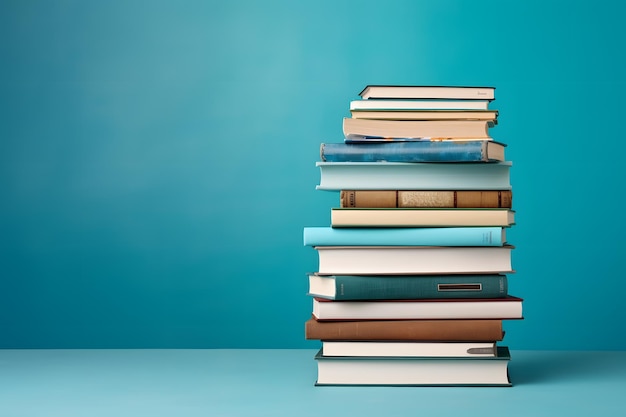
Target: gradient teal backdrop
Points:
(157, 160)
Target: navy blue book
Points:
(414, 151)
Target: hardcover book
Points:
(409, 330)
(426, 199)
(449, 151)
(413, 260)
(404, 236)
(337, 176)
(428, 371)
(506, 308)
(412, 104)
(408, 349)
(420, 217)
(427, 92)
(422, 129)
(399, 287)
(430, 114)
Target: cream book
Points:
(443, 114)
(421, 217)
(419, 104)
(380, 91)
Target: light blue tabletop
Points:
(90, 383)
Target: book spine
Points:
(410, 236)
(415, 330)
(425, 199)
(417, 151)
(397, 287)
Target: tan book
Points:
(432, 129)
(420, 217)
(424, 198)
(416, 330)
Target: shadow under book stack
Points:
(411, 286)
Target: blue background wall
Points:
(157, 160)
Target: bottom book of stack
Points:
(416, 364)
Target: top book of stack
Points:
(427, 92)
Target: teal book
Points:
(414, 371)
(404, 236)
(337, 176)
(451, 151)
(399, 287)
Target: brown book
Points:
(416, 330)
(419, 199)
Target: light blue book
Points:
(337, 176)
(410, 236)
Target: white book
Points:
(428, 371)
(428, 92)
(369, 260)
(419, 105)
(408, 349)
(507, 308)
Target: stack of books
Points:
(411, 286)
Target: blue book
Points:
(406, 287)
(414, 151)
(410, 236)
(337, 176)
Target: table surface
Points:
(277, 382)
